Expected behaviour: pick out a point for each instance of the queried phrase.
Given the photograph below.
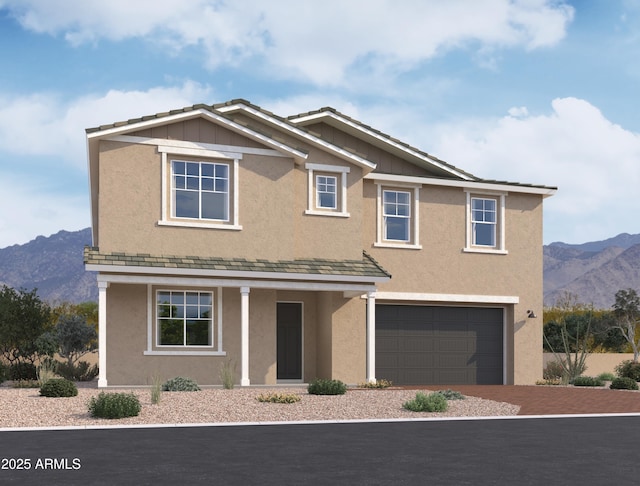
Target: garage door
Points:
(424, 345)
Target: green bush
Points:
(326, 387)
(629, 369)
(587, 381)
(606, 376)
(59, 387)
(114, 405)
(451, 394)
(433, 402)
(278, 397)
(624, 383)
(180, 383)
(23, 371)
(4, 372)
(82, 371)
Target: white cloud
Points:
(32, 207)
(41, 124)
(592, 161)
(312, 40)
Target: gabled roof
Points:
(366, 269)
(333, 117)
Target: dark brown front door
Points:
(289, 330)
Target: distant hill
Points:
(594, 271)
(54, 265)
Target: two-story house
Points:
(303, 247)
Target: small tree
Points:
(568, 337)
(627, 312)
(74, 337)
(24, 318)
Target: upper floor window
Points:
(485, 223)
(398, 216)
(200, 190)
(327, 191)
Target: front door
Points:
(289, 330)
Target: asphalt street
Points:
(532, 451)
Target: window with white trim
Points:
(184, 318)
(200, 190)
(485, 223)
(398, 216)
(327, 190)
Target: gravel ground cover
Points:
(24, 407)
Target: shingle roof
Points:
(366, 268)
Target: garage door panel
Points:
(439, 345)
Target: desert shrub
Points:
(624, 383)
(376, 384)
(23, 371)
(326, 387)
(553, 371)
(451, 394)
(433, 402)
(114, 405)
(59, 387)
(587, 381)
(46, 371)
(278, 397)
(80, 371)
(629, 369)
(180, 383)
(227, 374)
(606, 376)
(156, 390)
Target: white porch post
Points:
(244, 336)
(102, 334)
(371, 337)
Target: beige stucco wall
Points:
(597, 363)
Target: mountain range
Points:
(593, 271)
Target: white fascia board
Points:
(235, 283)
(382, 139)
(120, 130)
(344, 154)
(135, 270)
(470, 185)
(457, 298)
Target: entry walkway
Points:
(553, 400)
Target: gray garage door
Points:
(424, 345)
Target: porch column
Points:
(371, 337)
(102, 334)
(244, 336)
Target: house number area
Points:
(51, 463)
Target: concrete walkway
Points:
(554, 400)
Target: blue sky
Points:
(534, 91)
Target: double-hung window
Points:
(200, 190)
(485, 222)
(184, 318)
(397, 212)
(326, 192)
(397, 215)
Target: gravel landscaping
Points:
(24, 407)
